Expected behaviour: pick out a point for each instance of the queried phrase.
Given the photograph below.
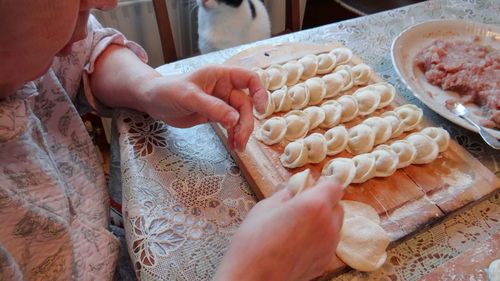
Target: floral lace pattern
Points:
(184, 196)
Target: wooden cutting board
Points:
(407, 200)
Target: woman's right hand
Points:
(285, 237)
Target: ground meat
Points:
(468, 68)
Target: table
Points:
(183, 195)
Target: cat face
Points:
(215, 3)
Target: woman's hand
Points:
(286, 238)
(209, 94)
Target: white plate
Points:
(410, 42)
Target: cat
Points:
(228, 23)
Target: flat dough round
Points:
(354, 208)
(494, 271)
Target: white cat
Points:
(227, 23)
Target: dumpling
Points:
(439, 135)
(282, 100)
(406, 152)
(295, 70)
(340, 169)
(263, 76)
(365, 167)
(333, 83)
(277, 76)
(272, 131)
(386, 162)
(387, 93)
(297, 125)
(294, 155)
(317, 90)
(310, 63)
(326, 63)
(333, 111)
(355, 209)
(396, 124)
(300, 182)
(361, 73)
(350, 108)
(342, 54)
(316, 147)
(368, 101)
(361, 139)
(426, 148)
(381, 127)
(300, 96)
(316, 116)
(410, 116)
(346, 72)
(336, 140)
(269, 108)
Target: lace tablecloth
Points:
(183, 195)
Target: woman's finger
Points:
(241, 102)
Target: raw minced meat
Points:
(467, 68)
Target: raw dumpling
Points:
(381, 127)
(439, 135)
(386, 91)
(297, 125)
(365, 167)
(350, 108)
(272, 131)
(362, 244)
(340, 169)
(282, 100)
(357, 209)
(300, 182)
(295, 70)
(310, 63)
(342, 54)
(406, 152)
(368, 101)
(294, 155)
(333, 83)
(361, 139)
(426, 148)
(386, 162)
(333, 111)
(396, 125)
(277, 76)
(316, 147)
(317, 90)
(299, 95)
(263, 76)
(269, 108)
(316, 116)
(326, 63)
(410, 116)
(346, 72)
(361, 73)
(336, 140)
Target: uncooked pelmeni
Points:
(341, 170)
(342, 54)
(368, 100)
(426, 148)
(361, 73)
(294, 154)
(406, 152)
(397, 127)
(361, 139)
(316, 147)
(310, 63)
(410, 116)
(297, 125)
(347, 80)
(494, 271)
(386, 162)
(282, 100)
(333, 113)
(362, 244)
(316, 116)
(365, 167)
(263, 76)
(272, 131)
(326, 63)
(317, 90)
(269, 108)
(295, 70)
(299, 95)
(381, 127)
(336, 140)
(357, 209)
(333, 84)
(439, 135)
(277, 76)
(300, 182)
(350, 108)
(386, 91)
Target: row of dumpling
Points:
(418, 148)
(276, 76)
(356, 140)
(297, 123)
(314, 90)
